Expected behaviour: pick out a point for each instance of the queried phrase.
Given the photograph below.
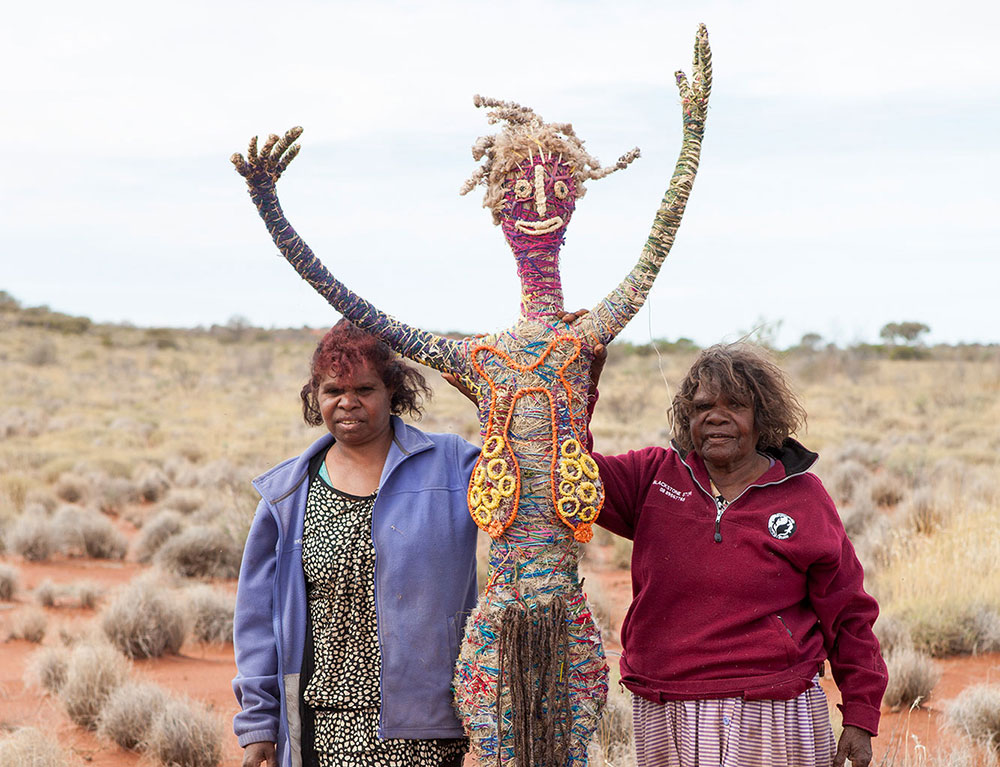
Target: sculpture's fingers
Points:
(286, 141)
(241, 166)
(252, 150)
(265, 151)
(289, 156)
(682, 86)
(702, 63)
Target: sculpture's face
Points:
(539, 198)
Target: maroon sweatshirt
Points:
(743, 604)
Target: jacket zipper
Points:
(720, 510)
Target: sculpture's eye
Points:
(561, 190)
(522, 189)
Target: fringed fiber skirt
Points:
(732, 732)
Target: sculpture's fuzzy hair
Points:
(524, 134)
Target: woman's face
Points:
(722, 427)
(355, 405)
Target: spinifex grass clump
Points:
(145, 620)
(30, 747)
(976, 712)
(33, 537)
(87, 533)
(47, 668)
(202, 551)
(29, 624)
(9, 578)
(185, 734)
(155, 533)
(211, 614)
(95, 670)
(912, 676)
(129, 713)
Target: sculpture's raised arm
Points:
(621, 304)
(262, 169)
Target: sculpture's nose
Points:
(540, 201)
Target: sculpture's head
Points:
(533, 172)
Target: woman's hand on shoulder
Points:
(855, 744)
(258, 754)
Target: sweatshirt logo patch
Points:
(781, 526)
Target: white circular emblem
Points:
(781, 526)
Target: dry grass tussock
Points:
(47, 669)
(87, 533)
(32, 537)
(612, 744)
(94, 671)
(145, 620)
(912, 676)
(210, 612)
(128, 715)
(29, 623)
(154, 533)
(201, 551)
(83, 594)
(185, 734)
(30, 747)
(10, 578)
(976, 712)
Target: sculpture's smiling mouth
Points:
(539, 227)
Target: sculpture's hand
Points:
(694, 96)
(263, 169)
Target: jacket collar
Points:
(790, 459)
(278, 482)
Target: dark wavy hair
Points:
(345, 346)
(743, 372)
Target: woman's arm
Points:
(622, 303)
(262, 170)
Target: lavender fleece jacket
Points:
(425, 586)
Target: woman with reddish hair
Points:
(358, 574)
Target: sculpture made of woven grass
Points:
(531, 678)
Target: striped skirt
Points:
(732, 732)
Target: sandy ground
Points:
(204, 671)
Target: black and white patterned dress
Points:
(342, 693)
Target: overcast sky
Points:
(849, 172)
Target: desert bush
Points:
(128, 715)
(88, 533)
(33, 537)
(41, 353)
(28, 624)
(955, 629)
(82, 594)
(30, 747)
(201, 551)
(71, 488)
(94, 671)
(912, 676)
(9, 578)
(892, 633)
(88, 594)
(923, 512)
(184, 499)
(847, 481)
(113, 494)
(211, 614)
(47, 668)
(886, 490)
(185, 734)
(976, 712)
(152, 484)
(144, 620)
(155, 533)
(47, 593)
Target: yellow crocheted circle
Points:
(479, 476)
(475, 497)
(570, 448)
(589, 466)
(506, 485)
(491, 498)
(496, 468)
(570, 469)
(482, 515)
(587, 514)
(493, 446)
(562, 503)
(587, 492)
(566, 487)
